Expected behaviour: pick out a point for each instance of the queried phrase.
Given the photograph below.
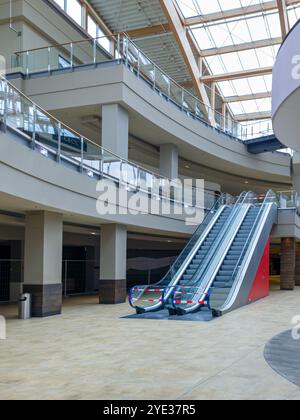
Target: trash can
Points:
(25, 306)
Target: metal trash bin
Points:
(25, 306)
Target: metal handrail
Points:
(200, 290)
(124, 54)
(238, 264)
(74, 132)
(241, 200)
(143, 289)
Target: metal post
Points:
(127, 51)
(149, 277)
(95, 51)
(59, 143)
(27, 63)
(139, 65)
(71, 54)
(81, 154)
(49, 60)
(118, 47)
(34, 127)
(5, 105)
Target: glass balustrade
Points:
(102, 49)
(54, 139)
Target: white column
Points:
(113, 259)
(43, 262)
(169, 161)
(115, 129)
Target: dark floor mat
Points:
(283, 355)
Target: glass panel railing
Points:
(92, 157)
(132, 55)
(71, 145)
(175, 93)
(37, 60)
(107, 48)
(189, 103)
(146, 69)
(46, 133)
(289, 200)
(162, 82)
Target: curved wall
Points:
(286, 92)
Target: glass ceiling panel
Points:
(191, 8)
(246, 28)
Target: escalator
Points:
(217, 269)
(227, 283)
(195, 257)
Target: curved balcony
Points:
(286, 92)
(21, 117)
(73, 55)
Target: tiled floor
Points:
(90, 353)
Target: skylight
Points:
(221, 36)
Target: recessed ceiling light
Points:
(187, 167)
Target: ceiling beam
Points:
(241, 47)
(236, 75)
(283, 16)
(180, 33)
(235, 13)
(255, 116)
(148, 31)
(250, 97)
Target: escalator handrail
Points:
(243, 199)
(204, 292)
(237, 281)
(250, 236)
(142, 289)
(240, 201)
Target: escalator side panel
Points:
(261, 284)
(242, 286)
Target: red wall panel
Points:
(261, 284)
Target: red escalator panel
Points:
(261, 284)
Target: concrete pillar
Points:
(115, 129)
(297, 270)
(43, 262)
(113, 258)
(169, 161)
(287, 263)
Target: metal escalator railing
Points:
(241, 200)
(196, 293)
(152, 298)
(270, 198)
